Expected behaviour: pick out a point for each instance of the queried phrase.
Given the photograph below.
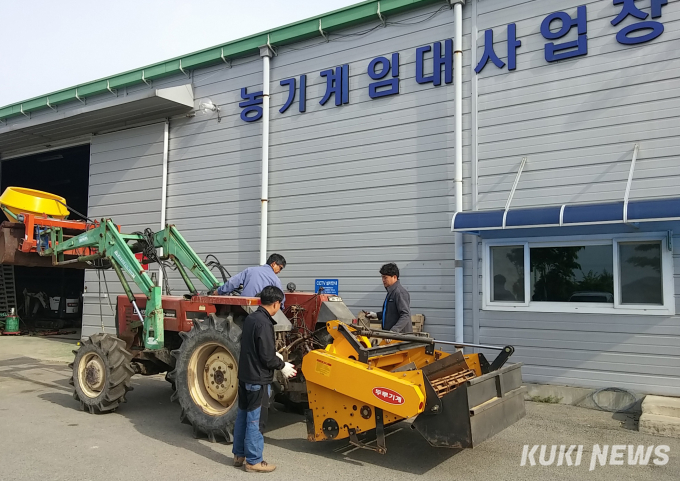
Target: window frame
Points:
(667, 273)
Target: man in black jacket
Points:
(396, 312)
(256, 365)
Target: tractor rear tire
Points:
(205, 377)
(101, 373)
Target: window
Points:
(572, 274)
(596, 275)
(507, 272)
(641, 281)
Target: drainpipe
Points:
(164, 191)
(458, 180)
(266, 53)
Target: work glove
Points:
(279, 355)
(371, 315)
(289, 370)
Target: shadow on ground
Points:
(24, 369)
(152, 414)
(407, 450)
(628, 421)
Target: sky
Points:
(48, 45)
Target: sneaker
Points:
(262, 467)
(239, 460)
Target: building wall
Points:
(355, 186)
(576, 121)
(126, 170)
(214, 170)
(351, 187)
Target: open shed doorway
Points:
(51, 298)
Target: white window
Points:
(615, 274)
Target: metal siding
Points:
(214, 171)
(356, 186)
(125, 185)
(351, 187)
(577, 120)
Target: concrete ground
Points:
(45, 436)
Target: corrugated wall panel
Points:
(577, 121)
(354, 186)
(591, 106)
(125, 185)
(351, 187)
(214, 171)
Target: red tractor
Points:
(200, 356)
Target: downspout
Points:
(458, 179)
(164, 191)
(266, 53)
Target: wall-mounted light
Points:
(206, 107)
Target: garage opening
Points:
(49, 298)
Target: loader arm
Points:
(178, 250)
(79, 243)
(112, 245)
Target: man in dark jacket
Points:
(256, 365)
(396, 312)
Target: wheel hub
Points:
(212, 378)
(92, 374)
(217, 375)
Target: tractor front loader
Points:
(349, 386)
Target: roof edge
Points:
(242, 47)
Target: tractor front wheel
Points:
(101, 373)
(205, 377)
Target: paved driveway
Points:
(46, 437)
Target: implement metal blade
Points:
(474, 410)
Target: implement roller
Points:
(457, 400)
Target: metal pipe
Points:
(395, 336)
(636, 148)
(292, 345)
(137, 311)
(466, 344)
(164, 191)
(185, 277)
(265, 53)
(458, 164)
(82, 259)
(421, 339)
(91, 257)
(126, 288)
(10, 214)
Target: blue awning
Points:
(568, 215)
